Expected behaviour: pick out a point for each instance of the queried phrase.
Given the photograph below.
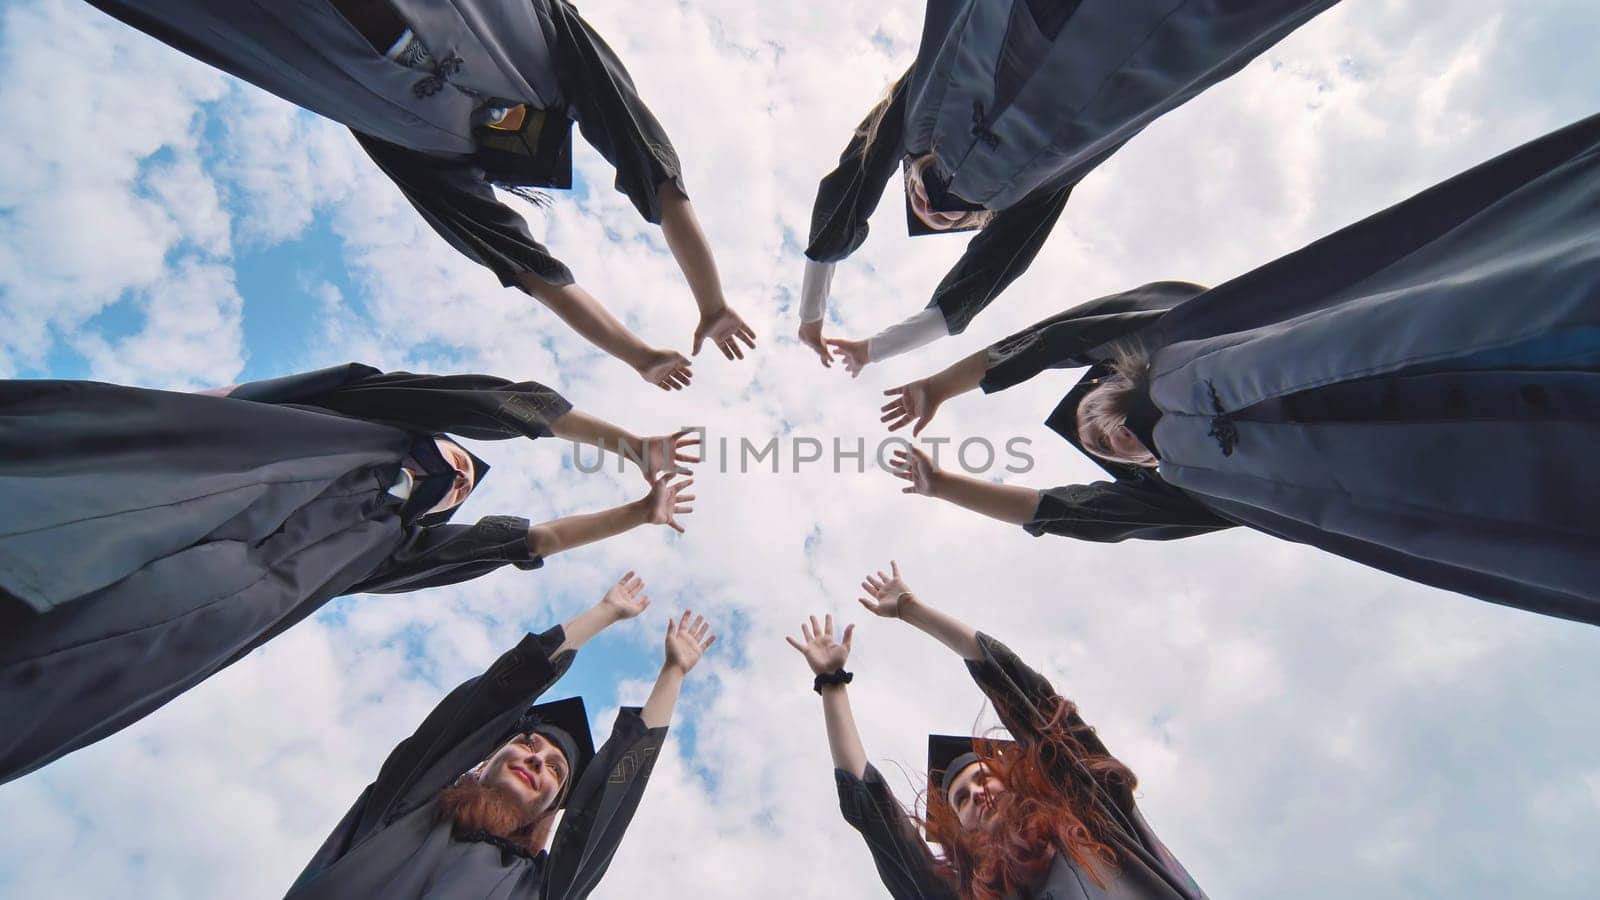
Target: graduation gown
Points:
(392, 844)
(1376, 395)
(160, 536)
(1147, 869)
(424, 128)
(1020, 99)
(1016, 94)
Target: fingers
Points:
(708, 642)
(815, 628)
(871, 607)
(791, 641)
(806, 633)
(827, 625)
(746, 334)
(849, 632)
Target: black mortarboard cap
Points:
(566, 724)
(949, 754)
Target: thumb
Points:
(699, 338)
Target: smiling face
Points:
(972, 796)
(462, 463)
(530, 768)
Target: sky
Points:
(1298, 723)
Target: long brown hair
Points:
(1050, 805)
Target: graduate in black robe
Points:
(150, 538)
(1416, 392)
(462, 809)
(1057, 760)
(451, 97)
(1009, 104)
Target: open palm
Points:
(823, 654)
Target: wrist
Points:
(671, 671)
(837, 679)
(938, 484)
(639, 511)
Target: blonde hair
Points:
(975, 219)
(1105, 409)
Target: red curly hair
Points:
(1049, 806)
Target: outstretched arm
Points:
(623, 600)
(825, 656)
(892, 598)
(578, 308)
(661, 506)
(920, 399)
(686, 643)
(692, 251)
(1006, 502)
(653, 455)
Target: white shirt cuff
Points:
(814, 290)
(918, 331)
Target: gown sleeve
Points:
(905, 864)
(1111, 511)
(611, 116)
(479, 407)
(999, 253)
(849, 194)
(1078, 337)
(460, 205)
(460, 732)
(437, 555)
(601, 806)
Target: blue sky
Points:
(1293, 718)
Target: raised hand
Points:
(823, 654)
(626, 598)
(666, 369)
(917, 400)
(854, 354)
(667, 501)
(811, 336)
(890, 594)
(722, 328)
(687, 642)
(918, 469)
(664, 452)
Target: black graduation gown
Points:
(160, 536)
(1376, 395)
(391, 843)
(1020, 100)
(418, 126)
(906, 865)
(996, 256)
(1013, 95)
